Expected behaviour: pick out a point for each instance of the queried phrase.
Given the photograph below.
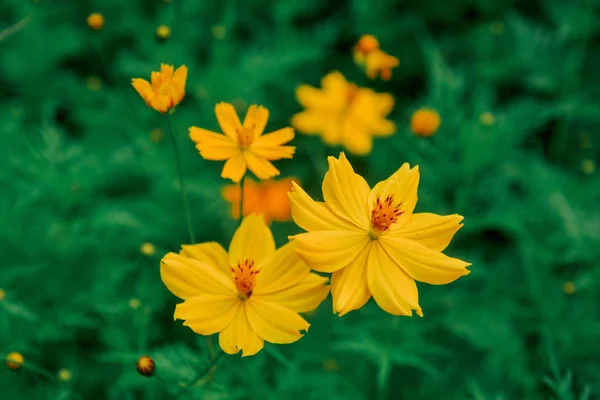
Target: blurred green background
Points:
(84, 183)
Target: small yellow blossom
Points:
(425, 122)
(250, 295)
(147, 249)
(65, 375)
(166, 90)
(588, 166)
(157, 135)
(163, 32)
(219, 31)
(243, 145)
(135, 303)
(14, 360)
(487, 118)
(343, 113)
(569, 287)
(94, 83)
(330, 365)
(95, 21)
(2, 294)
(145, 366)
(268, 198)
(372, 241)
(375, 61)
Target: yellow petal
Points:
(143, 88)
(328, 251)
(207, 313)
(336, 87)
(261, 167)
(274, 323)
(166, 71)
(211, 253)
(228, 120)
(179, 79)
(430, 230)
(357, 139)
(252, 240)
(402, 185)
(303, 296)
(270, 146)
(393, 290)
(333, 132)
(280, 270)
(345, 192)
(161, 103)
(423, 264)
(349, 288)
(234, 168)
(186, 277)
(311, 215)
(238, 335)
(311, 97)
(309, 122)
(256, 119)
(213, 146)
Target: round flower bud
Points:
(95, 21)
(148, 249)
(145, 366)
(425, 122)
(163, 32)
(14, 360)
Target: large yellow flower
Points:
(244, 146)
(371, 240)
(251, 295)
(166, 90)
(343, 113)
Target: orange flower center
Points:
(383, 215)
(351, 92)
(245, 136)
(367, 44)
(244, 276)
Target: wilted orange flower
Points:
(268, 198)
(250, 295)
(372, 241)
(375, 61)
(343, 113)
(425, 122)
(166, 90)
(244, 146)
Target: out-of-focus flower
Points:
(157, 135)
(147, 249)
(372, 241)
(145, 366)
(95, 21)
(135, 303)
(163, 32)
(569, 287)
(14, 360)
(343, 113)
(250, 295)
(244, 146)
(219, 31)
(94, 83)
(425, 122)
(2, 294)
(375, 61)
(166, 90)
(268, 198)
(487, 118)
(65, 375)
(588, 166)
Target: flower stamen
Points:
(383, 215)
(245, 136)
(244, 277)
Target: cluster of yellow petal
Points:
(249, 295)
(343, 113)
(268, 198)
(375, 61)
(166, 89)
(371, 240)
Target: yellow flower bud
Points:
(148, 249)
(14, 360)
(219, 31)
(569, 287)
(588, 166)
(2, 294)
(95, 21)
(163, 32)
(145, 366)
(135, 303)
(425, 122)
(487, 118)
(65, 375)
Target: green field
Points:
(90, 200)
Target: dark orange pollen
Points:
(384, 214)
(244, 276)
(245, 136)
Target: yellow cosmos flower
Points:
(251, 295)
(166, 90)
(374, 60)
(343, 113)
(243, 145)
(371, 240)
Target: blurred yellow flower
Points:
(375, 61)
(95, 21)
(244, 146)
(371, 240)
(268, 198)
(425, 122)
(569, 287)
(487, 118)
(251, 295)
(163, 32)
(147, 249)
(135, 303)
(588, 166)
(2, 294)
(65, 375)
(219, 31)
(166, 90)
(343, 113)
(14, 360)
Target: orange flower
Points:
(374, 60)
(95, 21)
(268, 198)
(166, 90)
(425, 122)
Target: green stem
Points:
(210, 367)
(181, 180)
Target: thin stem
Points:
(204, 376)
(181, 180)
(242, 197)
